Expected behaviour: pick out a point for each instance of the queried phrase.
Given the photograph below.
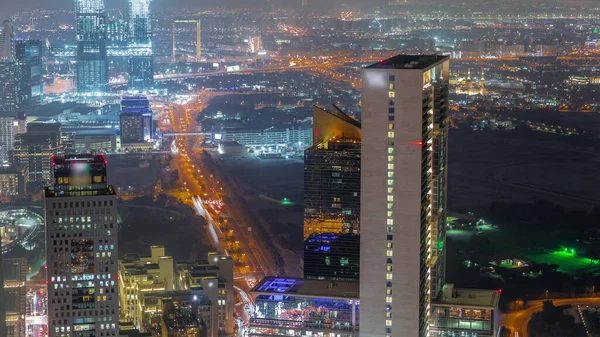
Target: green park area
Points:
(567, 260)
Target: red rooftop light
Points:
(418, 142)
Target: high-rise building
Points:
(15, 291)
(28, 54)
(403, 193)
(141, 62)
(6, 41)
(92, 66)
(117, 33)
(332, 197)
(136, 120)
(2, 309)
(81, 249)
(9, 86)
(33, 151)
(7, 137)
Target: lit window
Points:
(388, 322)
(390, 174)
(390, 182)
(388, 314)
(390, 213)
(391, 134)
(390, 221)
(389, 276)
(391, 86)
(388, 291)
(390, 158)
(391, 94)
(390, 166)
(390, 205)
(389, 268)
(390, 229)
(388, 299)
(390, 190)
(390, 150)
(390, 198)
(390, 253)
(391, 126)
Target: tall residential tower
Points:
(92, 65)
(332, 197)
(403, 193)
(81, 249)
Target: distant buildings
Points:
(297, 137)
(81, 219)
(332, 197)
(33, 152)
(92, 65)
(14, 272)
(141, 62)
(12, 181)
(403, 193)
(136, 120)
(155, 285)
(9, 86)
(6, 41)
(28, 54)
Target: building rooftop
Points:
(469, 297)
(307, 288)
(409, 62)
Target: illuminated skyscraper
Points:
(136, 120)
(92, 66)
(403, 193)
(81, 249)
(28, 55)
(9, 86)
(7, 137)
(141, 63)
(332, 197)
(14, 303)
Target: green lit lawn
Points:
(568, 262)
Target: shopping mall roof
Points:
(307, 288)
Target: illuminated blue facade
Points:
(136, 120)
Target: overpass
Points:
(186, 134)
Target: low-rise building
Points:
(305, 307)
(12, 181)
(465, 312)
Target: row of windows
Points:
(76, 204)
(390, 206)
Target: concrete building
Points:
(14, 272)
(300, 307)
(465, 312)
(204, 287)
(81, 249)
(95, 140)
(403, 193)
(332, 197)
(290, 137)
(6, 41)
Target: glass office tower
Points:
(28, 54)
(141, 62)
(332, 197)
(92, 65)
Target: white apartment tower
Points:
(81, 249)
(403, 193)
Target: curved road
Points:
(517, 322)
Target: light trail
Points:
(213, 227)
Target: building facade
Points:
(465, 312)
(403, 193)
(136, 120)
(7, 138)
(6, 41)
(14, 272)
(33, 152)
(300, 307)
(92, 65)
(9, 86)
(81, 249)
(332, 197)
(28, 55)
(141, 62)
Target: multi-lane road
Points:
(517, 322)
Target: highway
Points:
(517, 322)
